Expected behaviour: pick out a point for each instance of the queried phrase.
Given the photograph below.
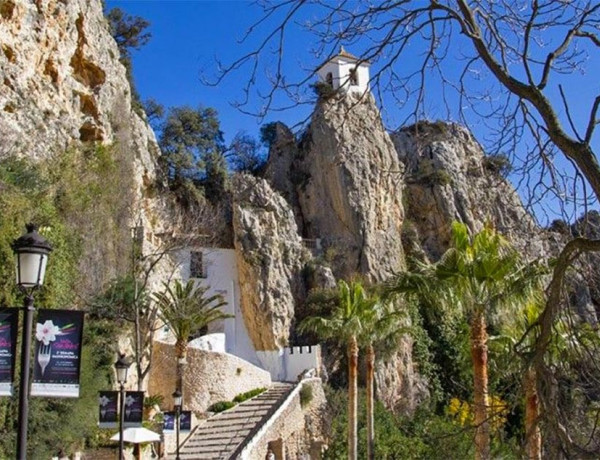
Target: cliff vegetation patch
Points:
(81, 201)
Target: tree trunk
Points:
(532, 412)
(370, 403)
(480, 386)
(352, 395)
(180, 352)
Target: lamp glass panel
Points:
(121, 374)
(31, 268)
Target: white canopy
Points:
(137, 435)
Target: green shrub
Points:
(498, 164)
(268, 133)
(153, 400)
(438, 177)
(221, 406)
(425, 435)
(324, 90)
(429, 174)
(433, 130)
(248, 394)
(306, 395)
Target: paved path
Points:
(221, 435)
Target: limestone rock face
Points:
(270, 258)
(62, 85)
(399, 385)
(281, 170)
(62, 79)
(350, 194)
(449, 178)
(347, 192)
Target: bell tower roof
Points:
(345, 56)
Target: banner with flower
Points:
(134, 408)
(108, 409)
(185, 421)
(57, 359)
(168, 422)
(9, 323)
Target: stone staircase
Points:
(223, 435)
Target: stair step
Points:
(220, 435)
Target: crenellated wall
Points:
(287, 364)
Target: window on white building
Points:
(353, 77)
(197, 266)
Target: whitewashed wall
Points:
(222, 278)
(340, 70)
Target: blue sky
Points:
(188, 37)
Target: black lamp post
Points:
(31, 250)
(177, 399)
(122, 367)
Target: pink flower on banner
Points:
(46, 332)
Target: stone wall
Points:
(297, 430)
(209, 376)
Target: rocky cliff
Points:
(270, 259)
(63, 87)
(63, 82)
(371, 199)
(447, 177)
(351, 196)
(343, 180)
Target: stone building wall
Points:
(209, 376)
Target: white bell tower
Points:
(345, 72)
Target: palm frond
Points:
(187, 309)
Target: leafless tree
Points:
(513, 69)
(129, 298)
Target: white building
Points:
(217, 269)
(345, 72)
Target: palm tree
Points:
(353, 312)
(483, 276)
(521, 335)
(382, 332)
(187, 310)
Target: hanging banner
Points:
(168, 422)
(108, 409)
(185, 421)
(9, 323)
(134, 408)
(57, 358)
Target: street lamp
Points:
(31, 251)
(177, 399)
(121, 366)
